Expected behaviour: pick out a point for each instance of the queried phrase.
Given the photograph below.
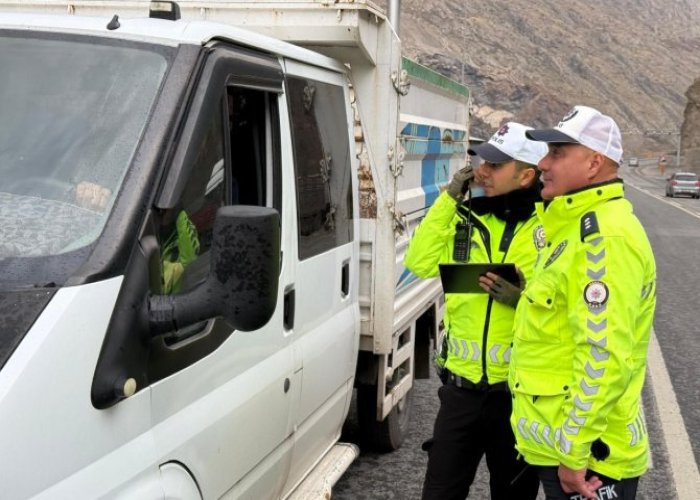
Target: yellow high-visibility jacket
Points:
(479, 329)
(581, 333)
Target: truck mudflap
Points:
(320, 481)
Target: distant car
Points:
(683, 183)
(633, 162)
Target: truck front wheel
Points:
(389, 434)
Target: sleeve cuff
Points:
(578, 456)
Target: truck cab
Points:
(204, 215)
(179, 259)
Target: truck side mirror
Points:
(243, 275)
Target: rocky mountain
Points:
(691, 129)
(532, 60)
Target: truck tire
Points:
(387, 435)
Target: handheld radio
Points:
(463, 234)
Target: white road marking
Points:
(681, 458)
(684, 469)
(680, 454)
(663, 199)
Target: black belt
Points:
(464, 383)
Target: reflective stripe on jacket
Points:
(479, 328)
(581, 334)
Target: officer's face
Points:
(499, 178)
(565, 168)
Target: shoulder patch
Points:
(596, 294)
(589, 225)
(538, 237)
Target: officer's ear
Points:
(596, 165)
(527, 176)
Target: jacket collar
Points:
(514, 206)
(559, 212)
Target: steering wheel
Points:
(44, 187)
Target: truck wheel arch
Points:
(178, 482)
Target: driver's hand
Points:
(92, 196)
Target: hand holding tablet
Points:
(464, 278)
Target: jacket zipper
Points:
(486, 238)
(484, 377)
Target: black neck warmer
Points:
(515, 206)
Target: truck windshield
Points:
(72, 112)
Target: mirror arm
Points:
(167, 313)
(161, 314)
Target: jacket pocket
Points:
(537, 383)
(539, 321)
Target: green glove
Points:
(506, 292)
(460, 182)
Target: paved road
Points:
(674, 230)
(673, 226)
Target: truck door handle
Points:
(345, 279)
(288, 316)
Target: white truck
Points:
(202, 229)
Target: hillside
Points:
(532, 60)
(691, 129)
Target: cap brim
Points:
(490, 153)
(549, 135)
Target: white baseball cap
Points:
(585, 126)
(509, 143)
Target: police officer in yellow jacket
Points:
(473, 419)
(583, 323)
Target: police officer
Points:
(475, 405)
(582, 328)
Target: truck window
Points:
(234, 165)
(186, 229)
(250, 133)
(322, 165)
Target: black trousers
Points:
(469, 425)
(624, 489)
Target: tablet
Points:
(464, 278)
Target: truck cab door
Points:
(326, 312)
(222, 398)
